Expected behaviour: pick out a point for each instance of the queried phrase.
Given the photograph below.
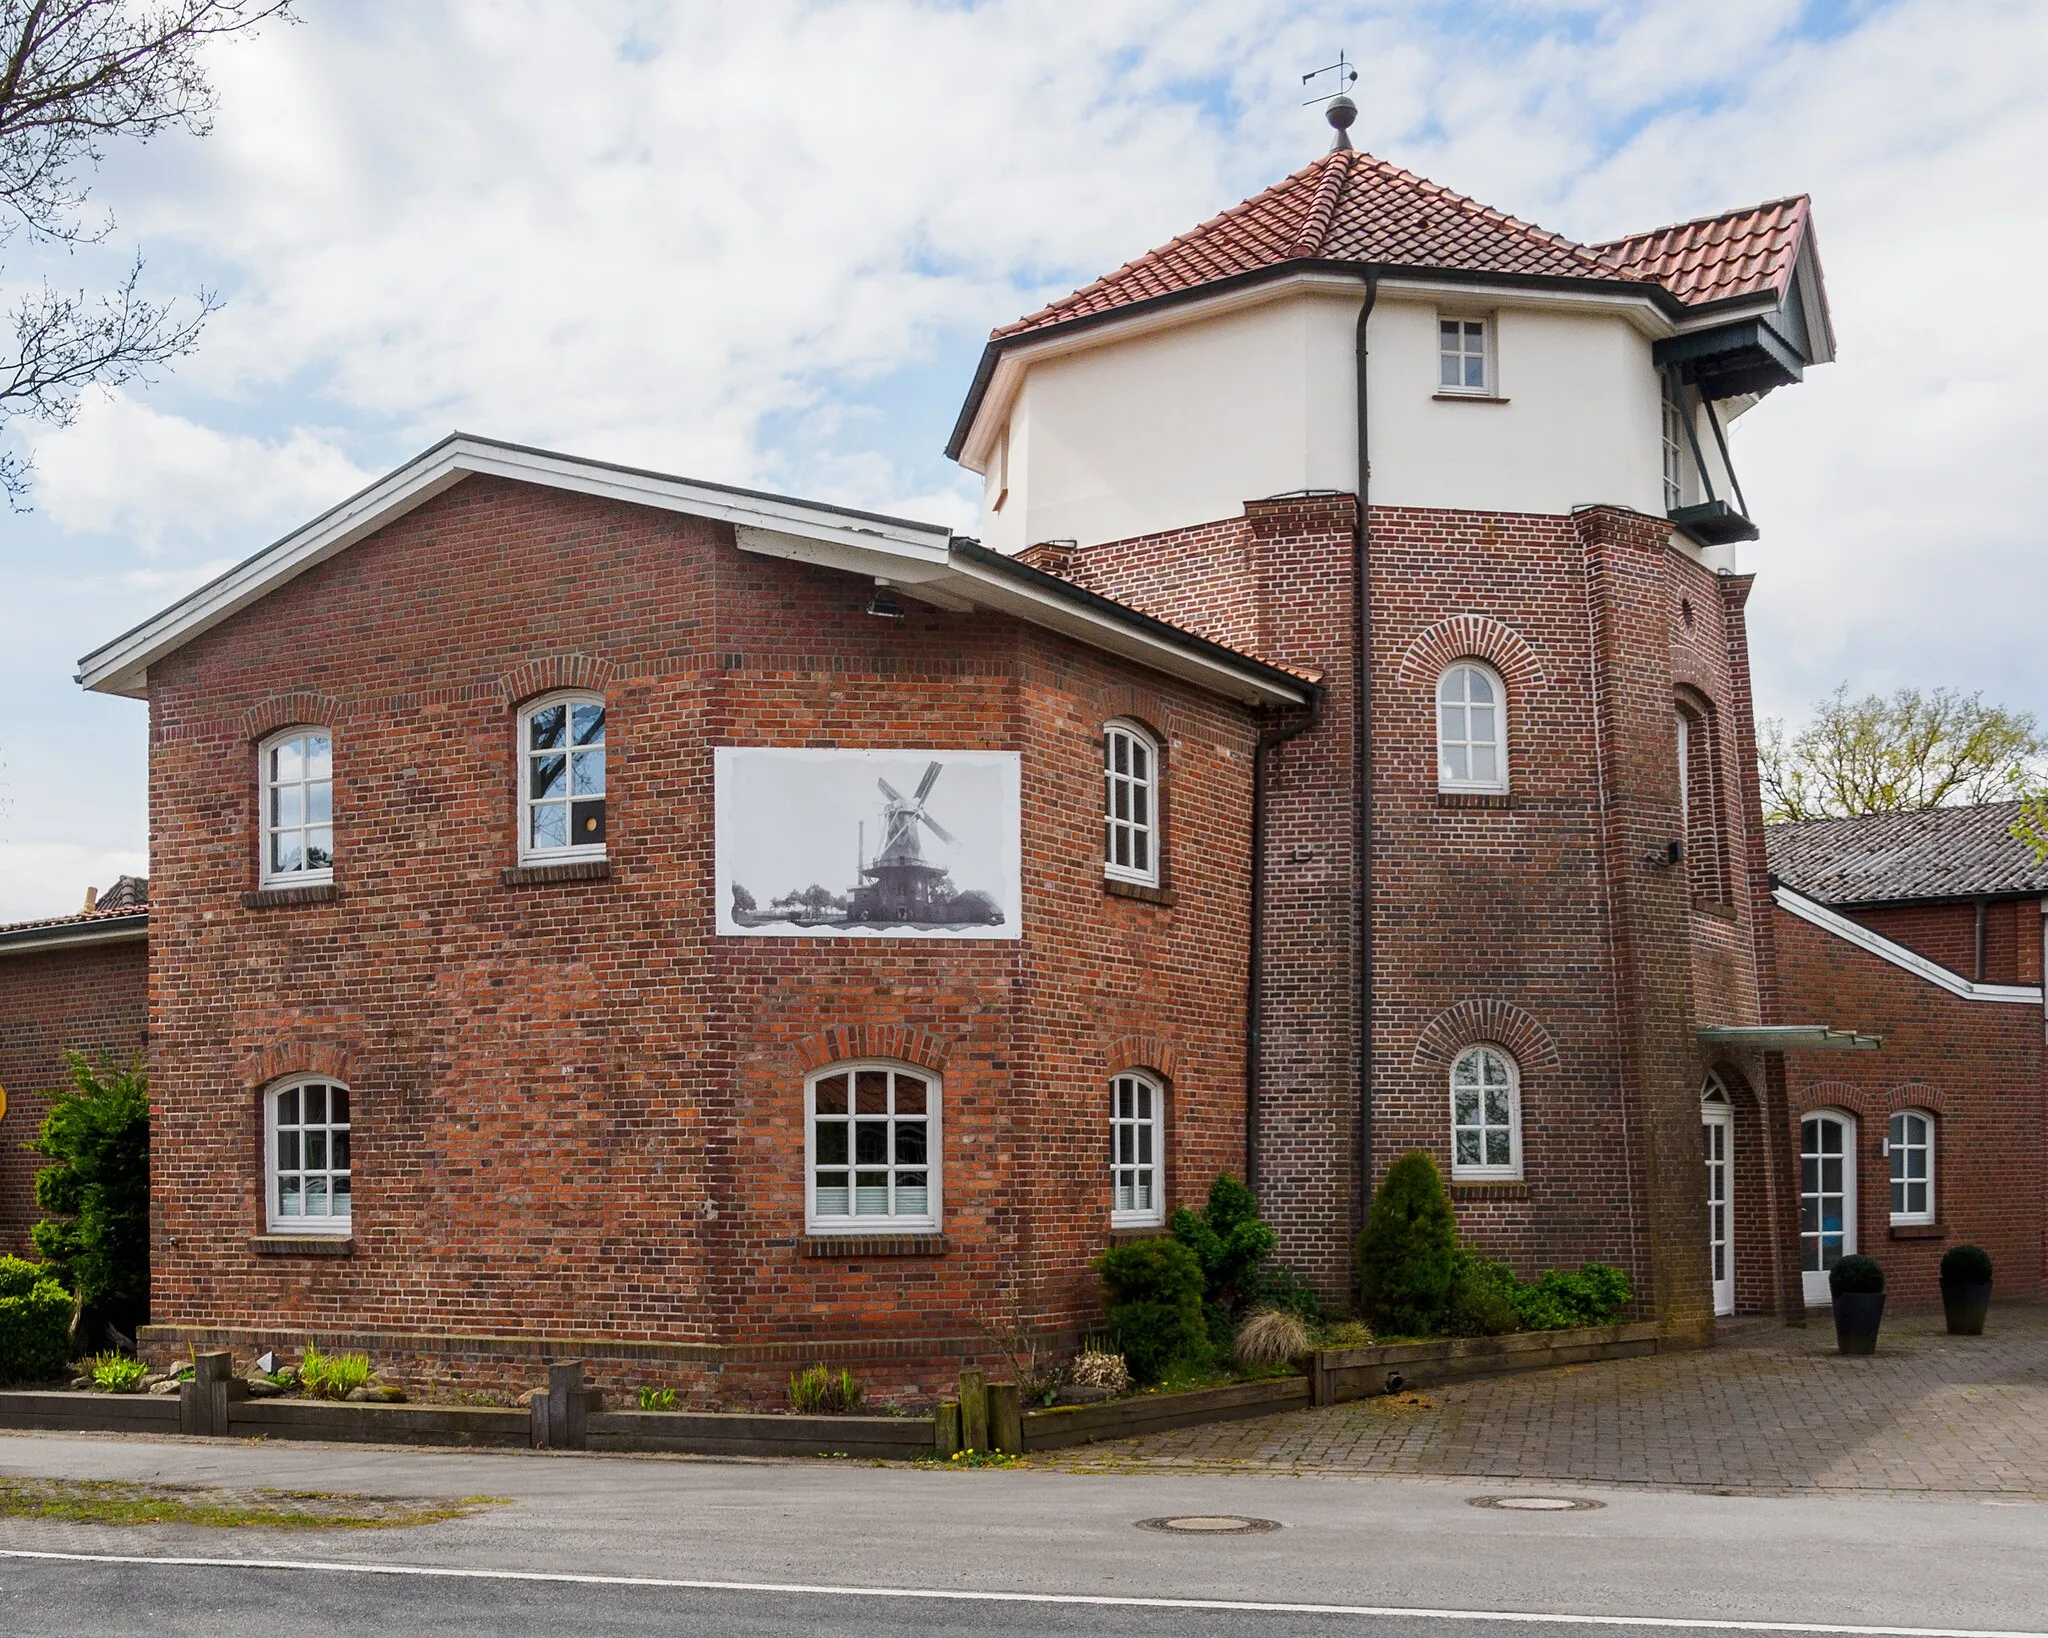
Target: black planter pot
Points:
(1857, 1314)
(1965, 1302)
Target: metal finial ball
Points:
(1340, 112)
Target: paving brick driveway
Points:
(1772, 1412)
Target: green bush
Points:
(1855, 1276)
(117, 1373)
(1229, 1242)
(332, 1376)
(1277, 1286)
(1562, 1301)
(35, 1327)
(1484, 1298)
(1155, 1305)
(1966, 1265)
(97, 1240)
(1407, 1249)
(18, 1276)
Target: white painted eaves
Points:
(1851, 932)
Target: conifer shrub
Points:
(96, 1240)
(1229, 1240)
(1154, 1290)
(1966, 1265)
(1407, 1251)
(35, 1322)
(1484, 1298)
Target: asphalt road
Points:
(597, 1545)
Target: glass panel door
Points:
(1716, 1130)
(1827, 1199)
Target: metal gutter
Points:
(1361, 749)
(74, 934)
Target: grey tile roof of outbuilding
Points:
(1935, 853)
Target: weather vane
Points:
(1340, 110)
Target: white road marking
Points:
(968, 1596)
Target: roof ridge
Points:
(1322, 210)
(1803, 200)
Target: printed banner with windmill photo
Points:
(868, 844)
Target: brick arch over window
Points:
(1473, 637)
(1144, 1052)
(901, 1042)
(275, 1062)
(302, 709)
(1499, 1023)
(1834, 1095)
(1917, 1095)
(544, 676)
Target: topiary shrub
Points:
(1854, 1276)
(35, 1322)
(1407, 1251)
(1154, 1289)
(1966, 1265)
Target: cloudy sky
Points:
(761, 243)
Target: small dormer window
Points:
(1462, 357)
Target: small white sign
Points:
(868, 844)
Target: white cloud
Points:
(43, 879)
(125, 466)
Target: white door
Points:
(1827, 1198)
(1717, 1132)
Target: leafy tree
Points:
(97, 1240)
(74, 73)
(2031, 826)
(1913, 750)
(1407, 1251)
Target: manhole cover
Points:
(1209, 1524)
(1538, 1504)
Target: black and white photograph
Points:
(867, 844)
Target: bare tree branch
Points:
(73, 73)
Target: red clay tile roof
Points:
(129, 896)
(1738, 253)
(1351, 207)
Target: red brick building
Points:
(1927, 929)
(70, 984)
(1354, 681)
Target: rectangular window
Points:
(1911, 1148)
(873, 1149)
(1134, 1153)
(1674, 446)
(1461, 356)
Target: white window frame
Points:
(524, 754)
(1147, 1094)
(1892, 1147)
(1671, 434)
(1488, 387)
(1482, 1172)
(1498, 785)
(275, 1220)
(267, 828)
(866, 1225)
(1150, 831)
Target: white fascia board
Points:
(122, 666)
(1211, 671)
(1852, 932)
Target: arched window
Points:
(1486, 1115)
(306, 1138)
(298, 807)
(1699, 799)
(1130, 804)
(1134, 1152)
(1471, 730)
(1910, 1146)
(871, 1149)
(561, 778)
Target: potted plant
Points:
(1857, 1286)
(1965, 1289)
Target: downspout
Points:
(1361, 756)
(1983, 908)
(1255, 965)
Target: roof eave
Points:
(73, 935)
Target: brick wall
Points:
(1947, 933)
(578, 1112)
(91, 999)
(1979, 1066)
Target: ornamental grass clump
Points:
(1272, 1337)
(821, 1391)
(1096, 1367)
(1407, 1251)
(332, 1376)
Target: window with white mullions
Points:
(1461, 356)
(1486, 1115)
(1130, 804)
(562, 778)
(1910, 1147)
(873, 1149)
(1674, 446)
(1471, 738)
(298, 807)
(309, 1162)
(1134, 1152)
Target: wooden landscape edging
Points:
(731, 1433)
(63, 1411)
(1156, 1412)
(1338, 1374)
